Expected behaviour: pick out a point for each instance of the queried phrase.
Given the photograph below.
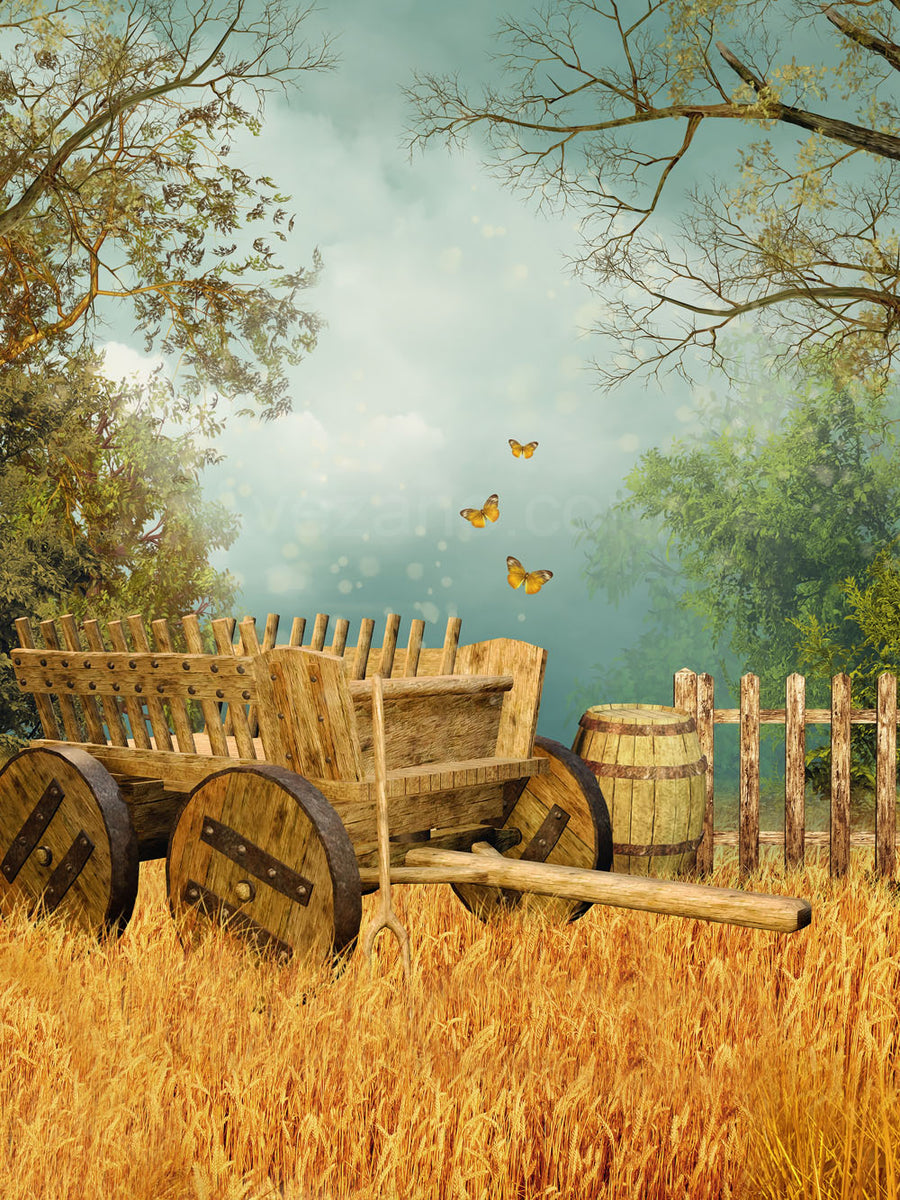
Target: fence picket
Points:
(794, 770)
(886, 776)
(749, 784)
(694, 694)
(840, 775)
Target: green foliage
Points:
(875, 611)
(751, 527)
(101, 515)
(114, 135)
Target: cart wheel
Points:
(261, 849)
(67, 843)
(564, 820)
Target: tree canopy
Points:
(101, 515)
(754, 525)
(115, 120)
(800, 244)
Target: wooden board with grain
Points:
(562, 818)
(67, 844)
(259, 850)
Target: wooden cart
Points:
(320, 774)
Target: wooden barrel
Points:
(647, 760)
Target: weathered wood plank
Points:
(109, 702)
(44, 707)
(526, 663)
(213, 723)
(794, 770)
(133, 706)
(749, 779)
(886, 777)
(89, 706)
(155, 712)
(840, 775)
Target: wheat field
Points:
(625, 1055)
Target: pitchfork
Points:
(385, 918)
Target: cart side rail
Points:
(452, 712)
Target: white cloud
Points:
(120, 362)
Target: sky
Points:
(453, 324)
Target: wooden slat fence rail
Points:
(694, 694)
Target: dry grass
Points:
(626, 1055)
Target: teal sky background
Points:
(453, 324)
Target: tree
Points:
(102, 193)
(100, 514)
(874, 609)
(800, 245)
(765, 524)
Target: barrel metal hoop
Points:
(672, 848)
(622, 771)
(621, 728)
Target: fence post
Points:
(886, 776)
(749, 795)
(688, 688)
(794, 770)
(684, 691)
(840, 775)
(706, 726)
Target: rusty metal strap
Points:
(619, 727)
(68, 870)
(218, 909)
(621, 771)
(32, 829)
(256, 861)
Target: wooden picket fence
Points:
(694, 694)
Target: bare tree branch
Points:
(888, 50)
(770, 247)
(858, 136)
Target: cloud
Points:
(120, 362)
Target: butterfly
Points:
(533, 580)
(518, 449)
(478, 516)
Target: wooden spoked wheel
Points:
(564, 820)
(261, 851)
(67, 844)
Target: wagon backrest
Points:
(107, 692)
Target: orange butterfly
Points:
(533, 580)
(518, 449)
(478, 516)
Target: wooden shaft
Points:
(363, 646)
(381, 811)
(298, 625)
(782, 914)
